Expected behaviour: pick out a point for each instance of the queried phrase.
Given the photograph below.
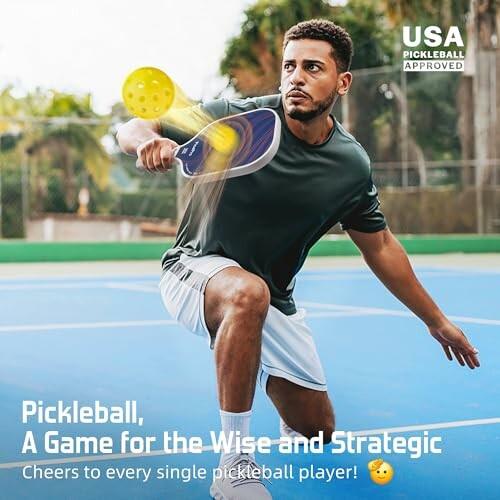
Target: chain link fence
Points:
(412, 126)
(70, 170)
(64, 169)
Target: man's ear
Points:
(344, 82)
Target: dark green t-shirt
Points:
(267, 221)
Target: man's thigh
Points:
(183, 290)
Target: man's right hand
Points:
(157, 155)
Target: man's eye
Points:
(287, 67)
(313, 67)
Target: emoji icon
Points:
(380, 472)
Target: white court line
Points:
(370, 432)
(336, 277)
(134, 287)
(49, 286)
(83, 284)
(467, 270)
(370, 276)
(384, 312)
(332, 311)
(423, 268)
(84, 326)
(326, 275)
(338, 314)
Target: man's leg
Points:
(292, 375)
(304, 410)
(236, 305)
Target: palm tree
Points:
(253, 58)
(67, 138)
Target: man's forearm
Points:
(391, 265)
(135, 132)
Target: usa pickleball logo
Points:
(431, 48)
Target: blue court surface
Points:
(109, 339)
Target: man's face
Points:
(310, 81)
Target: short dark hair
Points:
(328, 31)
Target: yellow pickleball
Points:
(223, 138)
(224, 141)
(148, 93)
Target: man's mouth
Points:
(296, 96)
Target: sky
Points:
(83, 46)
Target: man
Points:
(230, 275)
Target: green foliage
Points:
(68, 142)
(267, 21)
(62, 104)
(12, 209)
(255, 54)
(373, 42)
(444, 13)
(63, 155)
(161, 204)
(253, 58)
(55, 201)
(434, 114)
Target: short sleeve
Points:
(367, 216)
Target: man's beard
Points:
(319, 108)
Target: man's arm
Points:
(143, 138)
(388, 260)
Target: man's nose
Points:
(297, 77)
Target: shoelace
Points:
(245, 466)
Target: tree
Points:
(68, 140)
(444, 13)
(253, 58)
(61, 135)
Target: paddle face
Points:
(232, 146)
(148, 93)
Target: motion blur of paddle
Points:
(230, 147)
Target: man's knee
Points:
(234, 293)
(249, 295)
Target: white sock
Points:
(234, 422)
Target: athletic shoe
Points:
(241, 480)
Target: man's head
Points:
(317, 56)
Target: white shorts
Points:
(288, 349)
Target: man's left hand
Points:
(452, 339)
